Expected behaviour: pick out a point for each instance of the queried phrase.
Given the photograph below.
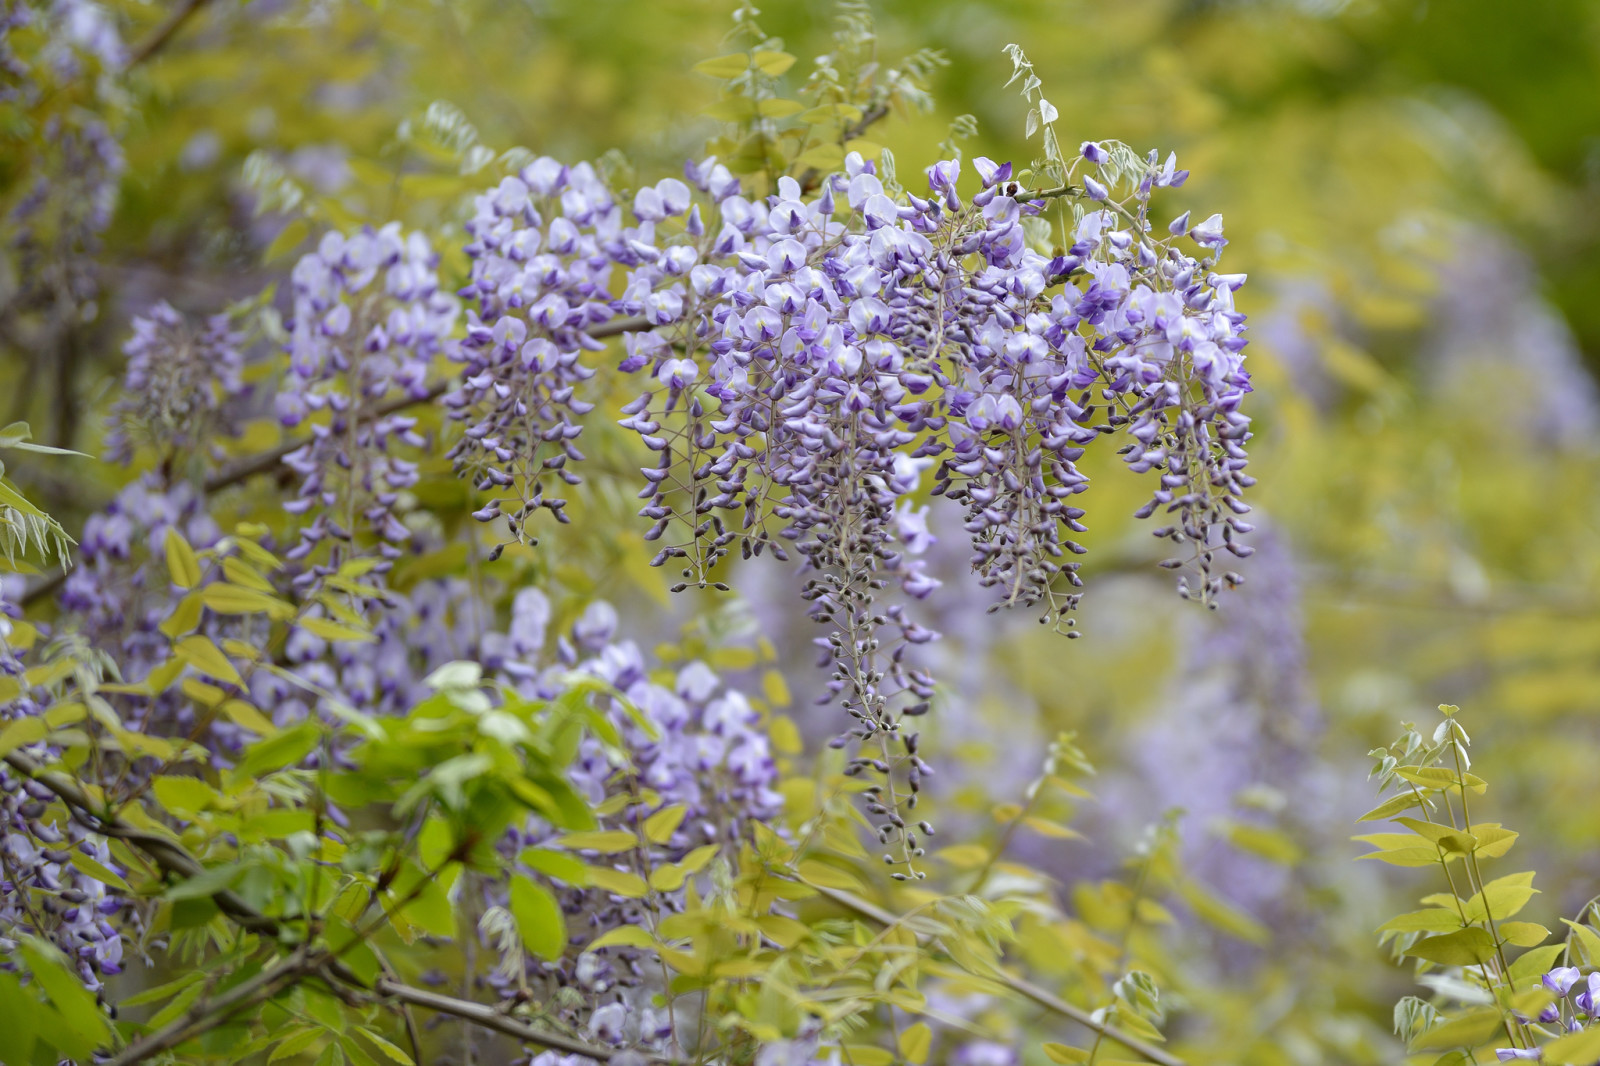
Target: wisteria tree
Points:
(311, 750)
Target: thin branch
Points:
(812, 176)
(488, 1017)
(1027, 989)
(208, 1014)
(173, 858)
(163, 33)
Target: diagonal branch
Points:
(1026, 989)
(173, 858)
(164, 32)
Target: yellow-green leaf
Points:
(540, 922)
(1464, 947)
(200, 653)
(728, 66)
(618, 882)
(772, 64)
(1053, 830)
(964, 856)
(21, 732)
(245, 716)
(915, 1043)
(1502, 898)
(182, 563)
(234, 599)
(1523, 934)
(1586, 935)
(334, 631)
(660, 826)
(1468, 1031)
(1065, 1054)
(779, 108)
(823, 875)
(184, 617)
(605, 841)
(623, 936)
(1574, 1049)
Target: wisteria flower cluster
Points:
(809, 353)
(368, 318)
(699, 765)
(180, 379)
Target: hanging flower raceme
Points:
(368, 319)
(181, 376)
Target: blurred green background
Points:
(1414, 188)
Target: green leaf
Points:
(618, 882)
(1494, 840)
(276, 752)
(605, 841)
(301, 1040)
(21, 732)
(161, 992)
(76, 1003)
(772, 64)
(779, 108)
(245, 716)
(1464, 947)
(184, 794)
(1574, 1049)
(539, 919)
(1392, 806)
(1468, 1030)
(184, 617)
(206, 883)
(915, 1043)
(100, 873)
(727, 66)
(235, 599)
(18, 1017)
(1531, 964)
(1274, 845)
(962, 856)
(182, 564)
(1223, 915)
(659, 827)
(1588, 938)
(288, 239)
(1432, 920)
(200, 653)
(1502, 898)
(1065, 1054)
(624, 936)
(334, 631)
(556, 864)
(1523, 934)
(394, 1053)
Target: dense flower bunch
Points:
(541, 292)
(808, 349)
(181, 376)
(368, 318)
(48, 867)
(694, 750)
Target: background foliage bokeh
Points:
(1413, 185)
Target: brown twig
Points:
(163, 33)
(811, 176)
